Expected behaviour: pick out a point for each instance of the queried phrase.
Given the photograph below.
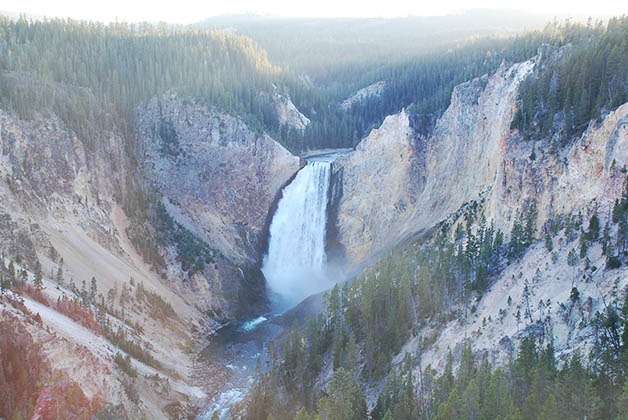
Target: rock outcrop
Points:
(372, 189)
(217, 177)
(397, 184)
(289, 114)
(47, 172)
(372, 90)
(586, 176)
(59, 214)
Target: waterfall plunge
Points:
(295, 265)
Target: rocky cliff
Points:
(397, 184)
(289, 114)
(372, 90)
(586, 178)
(217, 177)
(49, 177)
(61, 214)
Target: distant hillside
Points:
(318, 46)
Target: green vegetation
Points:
(615, 241)
(192, 252)
(136, 349)
(523, 232)
(154, 228)
(424, 84)
(367, 321)
(581, 76)
(531, 386)
(157, 307)
(90, 312)
(125, 364)
(94, 75)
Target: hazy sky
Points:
(188, 11)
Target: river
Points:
(295, 267)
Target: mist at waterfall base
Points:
(295, 265)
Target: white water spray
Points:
(296, 262)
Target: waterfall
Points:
(295, 264)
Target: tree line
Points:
(579, 78)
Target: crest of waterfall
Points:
(295, 264)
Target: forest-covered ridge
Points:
(94, 76)
(573, 85)
(54, 65)
(319, 47)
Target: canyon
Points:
(222, 182)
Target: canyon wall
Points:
(62, 201)
(216, 176)
(397, 184)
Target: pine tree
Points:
(352, 353)
(498, 402)
(345, 399)
(38, 278)
(388, 415)
(93, 290)
(530, 225)
(523, 369)
(606, 241)
(10, 280)
(549, 245)
(11, 269)
(594, 228)
(584, 247)
(23, 276)
(302, 414)
(450, 409)
(471, 401)
(53, 254)
(84, 294)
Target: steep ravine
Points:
(397, 184)
(60, 204)
(222, 181)
(219, 179)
